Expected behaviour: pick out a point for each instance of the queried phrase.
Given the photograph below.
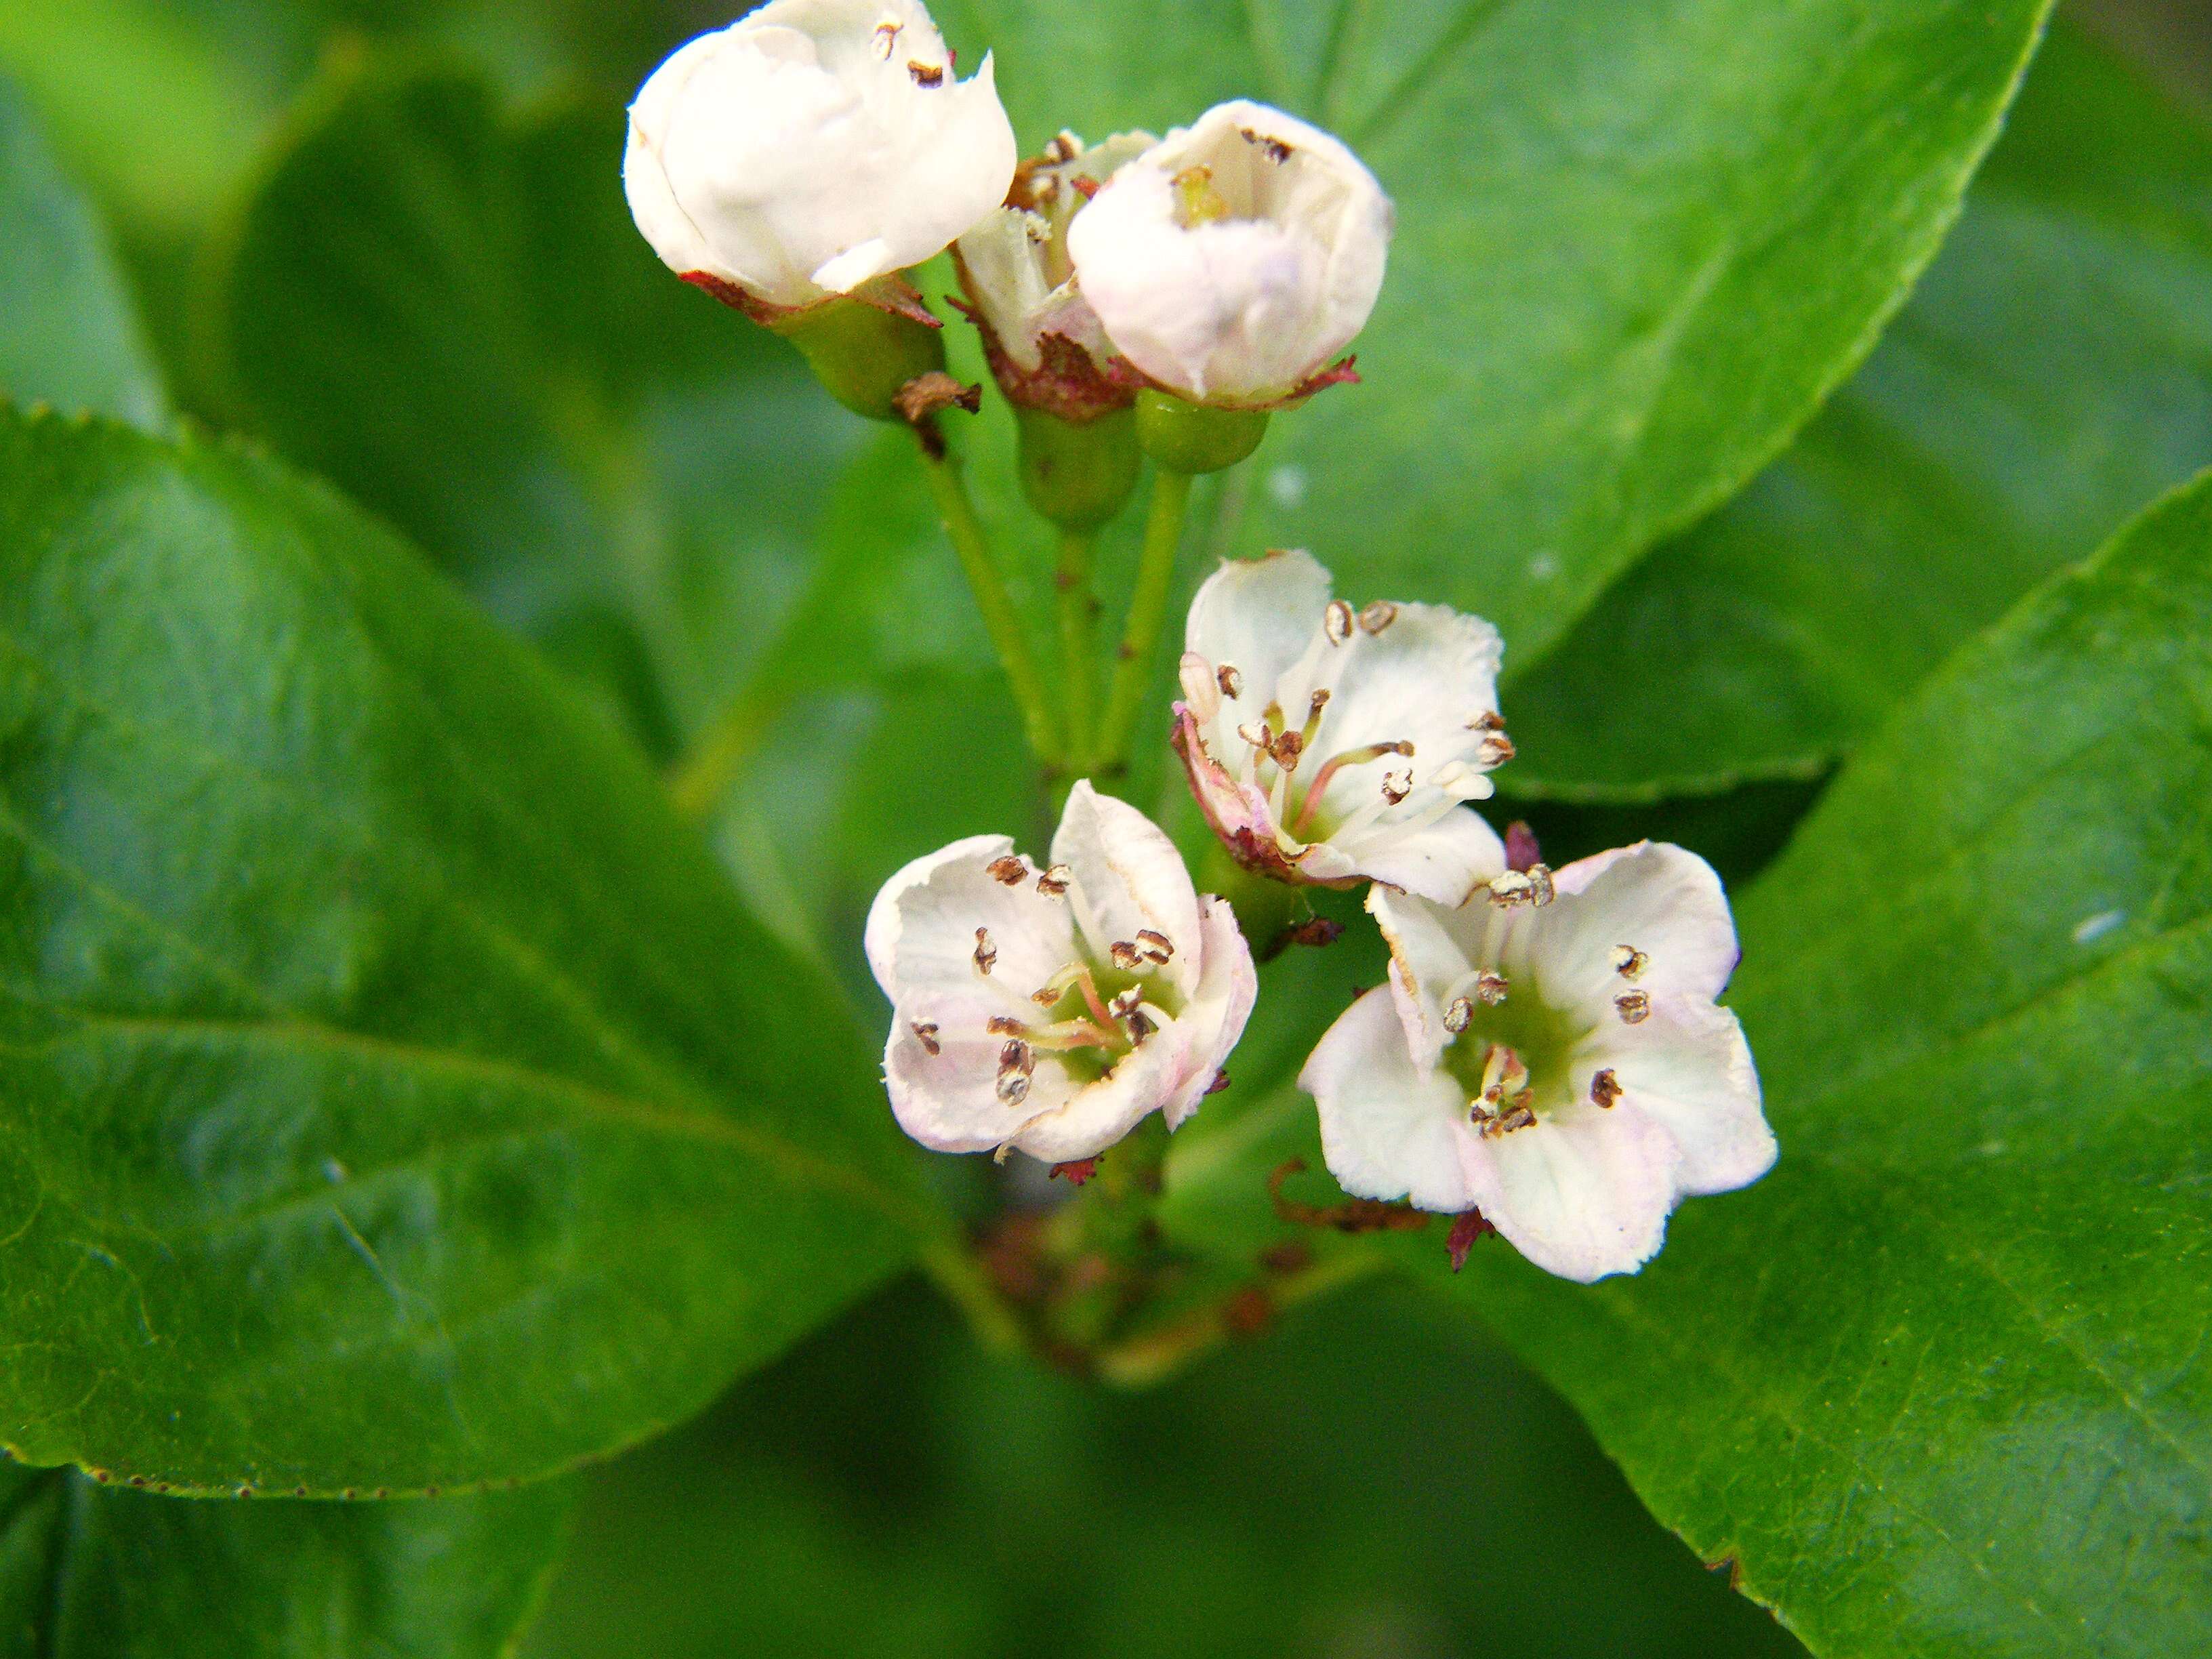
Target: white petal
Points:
(949, 1100)
(1687, 1069)
(1582, 1194)
(1097, 1116)
(1420, 680)
(1429, 955)
(1388, 1131)
(1652, 897)
(854, 266)
(881, 936)
(1259, 616)
(1442, 862)
(1215, 1020)
(931, 950)
(1128, 877)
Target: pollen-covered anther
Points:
(1016, 1065)
(1605, 1090)
(986, 952)
(1257, 734)
(1541, 888)
(1276, 150)
(925, 75)
(1489, 720)
(1511, 887)
(886, 41)
(1052, 883)
(1286, 749)
(1158, 946)
(1005, 1025)
(1230, 682)
(1125, 955)
(1459, 1016)
(1140, 1028)
(1396, 786)
(1504, 1076)
(1520, 1116)
(1338, 621)
(1490, 988)
(1629, 961)
(1127, 1003)
(925, 1033)
(1495, 750)
(1378, 616)
(1009, 871)
(1635, 1007)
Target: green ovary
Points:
(1545, 1038)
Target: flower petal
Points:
(921, 934)
(1128, 879)
(1215, 1017)
(1442, 862)
(881, 936)
(1388, 1131)
(1656, 899)
(1688, 1068)
(1430, 954)
(1421, 679)
(948, 1100)
(1582, 1194)
(1258, 616)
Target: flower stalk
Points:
(1134, 659)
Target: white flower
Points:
(1046, 345)
(1331, 746)
(811, 146)
(1051, 1009)
(1235, 259)
(1550, 1053)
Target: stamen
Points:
(1005, 1025)
(1126, 956)
(887, 34)
(1629, 961)
(1052, 883)
(1197, 201)
(1459, 1015)
(1158, 946)
(1541, 888)
(1378, 616)
(925, 1033)
(1313, 718)
(1492, 721)
(1140, 1029)
(1286, 749)
(1503, 1074)
(1337, 621)
(1009, 871)
(1605, 1090)
(1396, 786)
(1521, 1117)
(986, 952)
(1013, 1088)
(1373, 751)
(1495, 750)
(1074, 976)
(1512, 887)
(1230, 682)
(1015, 1064)
(1257, 734)
(1635, 1007)
(1278, 151)
(931, 76)
(1489, 987)
(1127, 1003)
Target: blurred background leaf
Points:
(71, 336)
(429, 1113)
(88, 1571)
(2052, 375)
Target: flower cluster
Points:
(1548, 1059)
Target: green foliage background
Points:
(398, 1098)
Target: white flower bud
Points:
(812, 146)
(1046, 345)
(1232, 261)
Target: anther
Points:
(1006, 1025)
(1126, 956)
(1489, 721)
(925, 75)
(1629, 961)
(1511, 887)
(1489, 987)
(1230, 682)
(1286, 749)
(1495, 750)
(1605, 1089)
(1008, 871)
(986, 952)
(887, 34)
(1257, 734)
(1635, 1007)
(1065, 147)
(1503, 1074)
(1140, 1029)
(1278, 151)
(1158, 946)
(1378, 616)
(1015, 1055)
(1541, 888)
(925, 1033)
(1337, 621)
(1052, 883)
(1013, 1088)
(1521, 1117)
(1458, 1016)
(1396, 786)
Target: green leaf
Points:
(448, 312)
(2053, 375)
(1935, 1384)
(68, 335)
(399, 1097)
(89, 1572)
(1637, 246)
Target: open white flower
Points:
(1046, 346)
(812, 146)
(1050, 1009)
(1549, 1054)
(1331, 746)
(1232, 261)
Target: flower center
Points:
(1091, 1014)
(1509, 1049)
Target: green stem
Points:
(1078, 611)
(1144, 1361)
(1132, 669)
(989, 584)
(964, 1283)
